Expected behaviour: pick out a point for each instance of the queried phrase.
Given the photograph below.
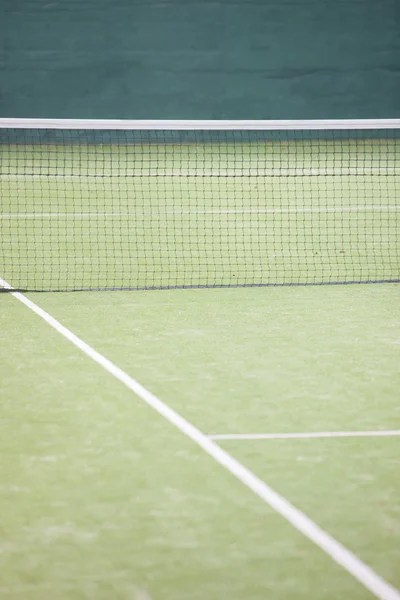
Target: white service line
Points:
(228, 211)
(202, 174)
(341, 555)
(306, 436)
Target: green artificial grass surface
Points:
(101, 498)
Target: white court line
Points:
(317, 434)
(341, 555)
(300, 210)
(276, 172)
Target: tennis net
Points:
(91, 205)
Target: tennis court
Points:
(240, 442)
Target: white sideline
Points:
(306, 436)
(341, 555)
(228, 211)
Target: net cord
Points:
(203, 125)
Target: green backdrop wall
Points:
(200, 58)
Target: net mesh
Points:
(91, 209)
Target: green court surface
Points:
(102, 498)
(113, 491)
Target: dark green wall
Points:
(200, 58)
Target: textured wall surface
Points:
(200, 58)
